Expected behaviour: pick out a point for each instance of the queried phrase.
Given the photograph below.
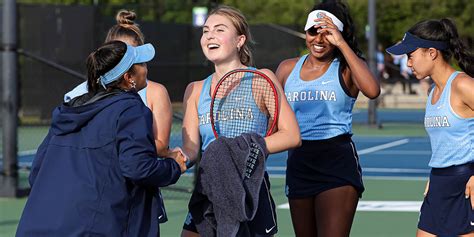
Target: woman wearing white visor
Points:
(323, 177)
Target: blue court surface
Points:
(379, 156)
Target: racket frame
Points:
(219, 83)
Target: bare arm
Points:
(464, 87)
(160, 105)
(284, 69)
(363, 79)
(360, 74)
(462, 90)
(288, 134)
(190, 129)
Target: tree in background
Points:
(393, 16)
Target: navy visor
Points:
(411, 42)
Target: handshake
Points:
(179, 156)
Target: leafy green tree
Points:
(394, 17)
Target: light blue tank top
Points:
(229, 116)
(142, 94)
(205, 128)
(322, 106)
(81, 89)
(452, 137)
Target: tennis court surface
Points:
(395, 167)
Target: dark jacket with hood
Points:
(96, 172)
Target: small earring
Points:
(134, 84)
(238, 48)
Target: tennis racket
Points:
(244, 100)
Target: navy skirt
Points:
(321, 165)
(445, 210)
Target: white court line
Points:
(375, 170)
(23, 153)
(383, 146)
(276, 168)
(373, 206)
(27, 153)
(404, 178)
(369, 177)
(404, 152)
(396, 170)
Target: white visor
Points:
(317, 14)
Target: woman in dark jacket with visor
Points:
(96, 172)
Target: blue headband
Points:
(133, 55)
(410, 43)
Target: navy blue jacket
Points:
(96, 173)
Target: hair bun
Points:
(126, 17)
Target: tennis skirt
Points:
(445, 210)
(321, 165)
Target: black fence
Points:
(67, 34)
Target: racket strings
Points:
(244, 102)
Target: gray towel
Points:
(227, 189)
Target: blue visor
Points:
(133, 55)
(410, 43)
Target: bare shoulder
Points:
(269, 73)
(464, 84)
(285, 68)
(266, 71)
(288, 64)
(156, 88)
(193, 90)
(463, 81)
(272, 77)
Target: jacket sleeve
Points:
(38, 160)
(137, 153)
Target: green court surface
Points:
(366, 223)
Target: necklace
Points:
(318, 67)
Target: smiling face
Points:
(220, 41)
(318, 45)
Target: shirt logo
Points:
(268, 230)
(437, 122)
(326, 82)
(310, 95)
(227, 115)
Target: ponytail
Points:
(458, 48)
(445, 30)
(101, 61)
